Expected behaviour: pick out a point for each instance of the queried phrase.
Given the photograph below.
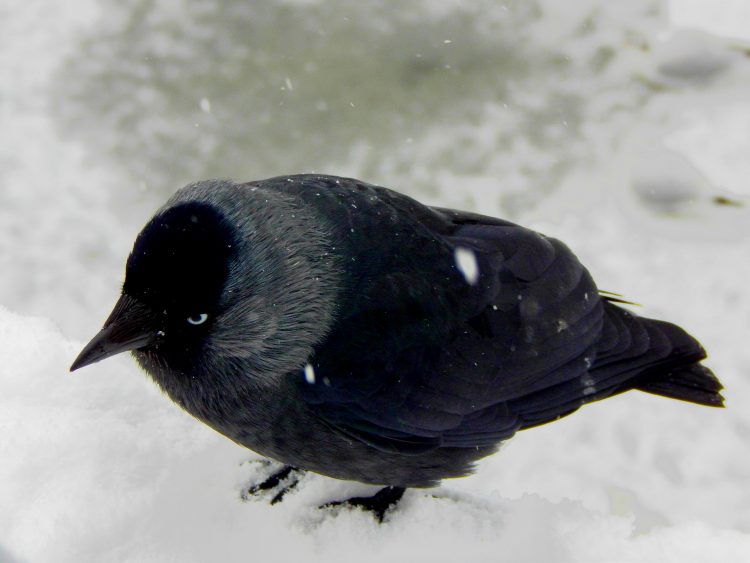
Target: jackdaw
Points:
(346, 329)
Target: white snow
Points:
(99, 466)
(691, 55)
(309, 374)
(466, 262)
(666, 181)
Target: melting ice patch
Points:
(466, 262)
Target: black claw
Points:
(278, 497)
(378, 504)
(274, 481)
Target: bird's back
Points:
(420, 357)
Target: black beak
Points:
(131, 325)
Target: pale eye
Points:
(197, 319)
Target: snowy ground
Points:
(608, 125)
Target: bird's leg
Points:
(378, 504)
(285, 480)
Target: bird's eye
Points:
(197, 319)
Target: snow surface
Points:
(624, 135)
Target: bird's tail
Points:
(653, 356)
(633, 353)
(696, 384)
(679, 375)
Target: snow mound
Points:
(691, 55)
(97, 466)
(666, 181)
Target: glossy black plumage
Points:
(346, 339)
(421, 359)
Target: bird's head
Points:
(174, 290)
(220, 276)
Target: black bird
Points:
(346, 329)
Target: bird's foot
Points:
(378, 504)
(276, 485)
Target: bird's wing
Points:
(422, 355)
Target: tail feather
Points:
(695, 384)
(680, 375)
(634, 353)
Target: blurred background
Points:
(108, 107)
(622, 128)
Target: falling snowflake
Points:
(466, 262)
(309, 374)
